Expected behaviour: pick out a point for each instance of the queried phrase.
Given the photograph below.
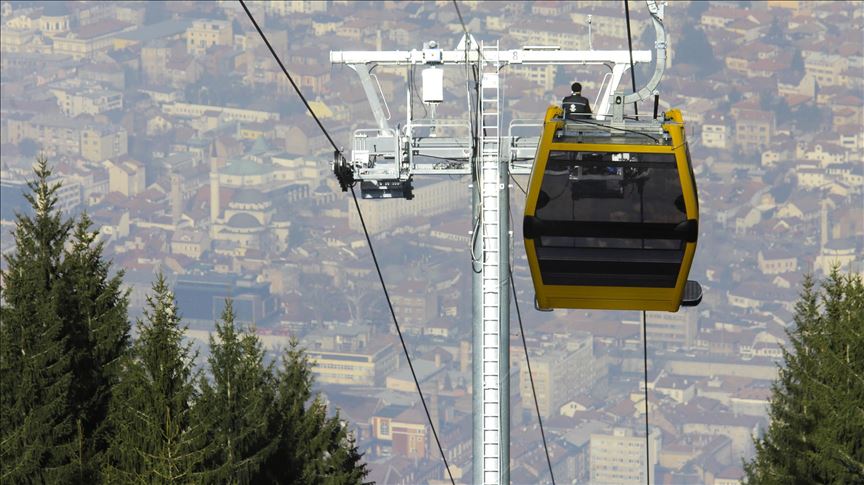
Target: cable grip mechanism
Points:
(343, 170)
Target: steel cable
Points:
(365, 232)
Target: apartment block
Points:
(754, 129)
(287, 7)
(126, 177)
(826, 68)
(429, 200)
(716, 132)
(104, 142)
(79, 98)
(204, 34)
(559, 374)
(368, 366)
(401, 431)
(95, 142)
(90, 39)
(675, 330)
(772, 261)
(190, 110)
(620, 457)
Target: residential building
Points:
(541, 77)
(620, 457)
(827, 69)
(754, 129)
(190, 110)
(775, 261)
(606, 21)
(79, 98)
(204, 34)
(286, 7)
(367, 366)
(739, 428)
(126, 177)
(16, 40)
(535, 31)
(93, 141)
(190, 243)
(430, 199)
(675, 330)
(90, 39)
(103, 142)
(716, 132)
(560, 374)
(402, 431)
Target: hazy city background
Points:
(173, 127)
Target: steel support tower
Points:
(384, 161)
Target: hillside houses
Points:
(186, 144)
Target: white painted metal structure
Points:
(384, 161)
(495, 334)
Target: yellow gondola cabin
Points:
(612, 216)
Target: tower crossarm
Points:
(525, 56)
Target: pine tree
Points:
(37, 435)
(290, 424)
(156, 439)
(63, 326)
(817, 409)
(311, 448)
(95, 311)
(343, 460)
(238, 405)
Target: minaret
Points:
(176, 199)
(214, 198)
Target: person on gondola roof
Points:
(576, 106)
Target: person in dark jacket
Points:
(576, 106)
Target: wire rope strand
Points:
(645, 364)
(461, 20)
(465, 29)
(401, 338)
(644, 313)
(531, 378)
(293, 84)
(630, 47)
(518, 184)
(368, 240)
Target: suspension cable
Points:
(630, 47)
(531, 378)
(645, 366)
(525, 348)
(644, 313)
(399, 331)
(518, 185)
(465, 29)
(368, 240)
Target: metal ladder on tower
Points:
(490, 195)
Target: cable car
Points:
(612, 215)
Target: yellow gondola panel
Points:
(629, 265)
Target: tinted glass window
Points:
(610, 187)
